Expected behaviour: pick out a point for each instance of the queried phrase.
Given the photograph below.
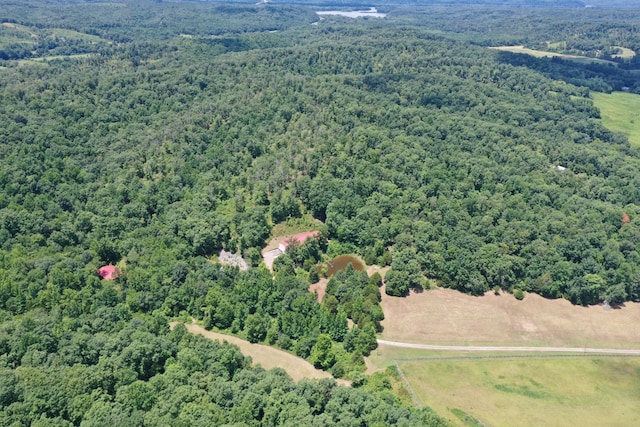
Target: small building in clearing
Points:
(108, 272)
(297, 239)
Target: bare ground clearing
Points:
(273, 243)
(270, 256)
(320, 288)
(265, 356)
(447, 317)
(271, 251)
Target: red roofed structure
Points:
(108, 272)
(298, 239)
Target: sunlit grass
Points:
(519, 389)
(295, 226)
(621, 113)
(626, 52)
(544, 54)
(563, 391)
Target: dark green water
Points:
(341, 262)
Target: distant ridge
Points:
(486, 3)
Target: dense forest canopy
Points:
(152, 135)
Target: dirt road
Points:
(511, 349)
(267, 357)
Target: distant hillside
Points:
(486, 3)
(613, 4)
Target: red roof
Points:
(300, 238)
(108, 272)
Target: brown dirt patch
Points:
(265, 356)
(320, 288)
(273, 243)
(270, 256)
(271, 251)
(377, 269)
(445, 316)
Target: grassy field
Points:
(585, 391)
(447, 317)
(57, 57)
(265, 356)
(544, 54)
(75, 35)
(15, 34)
(626, 52)
(518, 390)
(514, 389)
(621, 113)
(295, 225)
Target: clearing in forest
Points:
(444, 316)
(514, 388)
(539, 391)
(285, 231)
(625, 53)
(263, 355)
(544, 54)
(620, 112)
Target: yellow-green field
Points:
(513, 389)
(626, 53)
(557, 391)
(544, 54)
(621, 113)
(70, 34)
(474, 389)
(12, 34)
(295, 226)
(56, 57)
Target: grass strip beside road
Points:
(521, 349)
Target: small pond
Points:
(341, 262)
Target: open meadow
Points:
(620, 112)
(514, 388)
(444, 316)
(538, 391)
(545, 54)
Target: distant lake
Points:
(372, 13)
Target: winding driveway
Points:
(511, 349)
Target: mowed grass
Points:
(584, 391)
(511, 389)
(625, 53)
(75, 35)
(621, 113)
(545, 54)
